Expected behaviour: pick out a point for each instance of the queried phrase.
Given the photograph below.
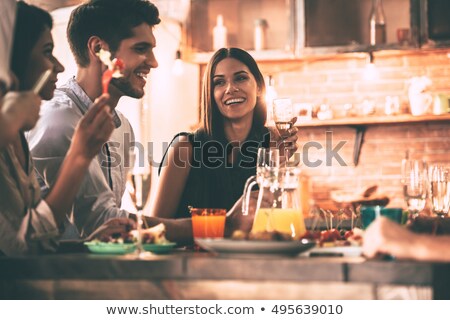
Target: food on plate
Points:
(118, 238)
(261, 236)
(334, 237)
(115, 68)
(311, 235)
(270, 235)
(154, 235)
(239, 235)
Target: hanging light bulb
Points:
(178, 67)
(370, 71)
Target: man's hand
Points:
(112, 226)
(93, 130)
(387, 237)
(237, 221)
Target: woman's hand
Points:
(93, 130)
(112, 226)
(286, 143)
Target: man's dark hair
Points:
(110, 20)
(31, 22)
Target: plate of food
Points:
(154, 240)
(100, 247)
(260, 243)
(334, 243)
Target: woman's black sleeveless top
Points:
(212, 181)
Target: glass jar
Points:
(259, 35)
(377, 23)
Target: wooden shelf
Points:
(320, 54)
(373, 120)
(264, 55)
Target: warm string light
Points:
(370, 71)
(178, 66)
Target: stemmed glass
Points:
(440, 190)
(267, 158)
(282, 115)
(267, 161)
(415, 184)
(138, 186)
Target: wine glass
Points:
(267, 162)
(440, 190)
(282, 115)
(138, 186)
(415, 184)
(267, 158)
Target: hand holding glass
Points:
(282, 115)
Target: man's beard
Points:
(124, 85)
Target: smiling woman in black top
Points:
(209, 168)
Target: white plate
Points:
(255, 247)
(342, 251)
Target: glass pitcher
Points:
(266, 158)
(278, 207)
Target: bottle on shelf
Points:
(219, 34)
(377, 23)
(259, 36)
(271, 94)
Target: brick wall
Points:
(339, 81)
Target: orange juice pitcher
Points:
(279, 207)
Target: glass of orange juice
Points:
(208, 223)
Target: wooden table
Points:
(185, 275)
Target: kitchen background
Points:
(340, 85)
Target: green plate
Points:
(110, 248)
(159, 248)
